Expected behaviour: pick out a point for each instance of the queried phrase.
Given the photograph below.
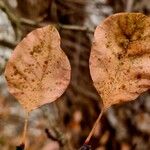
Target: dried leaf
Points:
(120, 57)
(38, 71)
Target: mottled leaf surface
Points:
(38, 71)
(120, 57)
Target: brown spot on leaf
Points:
(16, 72)
(123, 86)
(120, 56)
(139, 76)
(46, 62)
(31, 53)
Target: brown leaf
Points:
(38, 71)
(120, 57)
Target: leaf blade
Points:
(120, 54)
(38, 71)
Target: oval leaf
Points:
(38, 71)
(120, 57)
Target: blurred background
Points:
(64, 124)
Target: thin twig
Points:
(4, 7)
(13, 18)
(29, 22)
(8, 43)
(75, 28)
(57, 25)
(52, 137)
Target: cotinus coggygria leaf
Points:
(38, 71)
(120, 57)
